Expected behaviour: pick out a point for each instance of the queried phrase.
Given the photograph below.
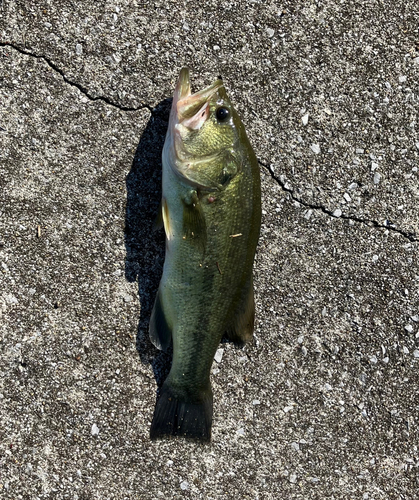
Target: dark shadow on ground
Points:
(145, 247)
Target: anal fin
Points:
(241, 328)
(159, 330)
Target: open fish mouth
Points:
(191, 110)
(188, 115)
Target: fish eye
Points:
(222, 114)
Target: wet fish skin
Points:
(211, 211)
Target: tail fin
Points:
(174, 417)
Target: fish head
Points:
(202, 125)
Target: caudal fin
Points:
(175, 417)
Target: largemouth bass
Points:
(211, 212)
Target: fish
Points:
(211, 213)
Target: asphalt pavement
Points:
(325, 402)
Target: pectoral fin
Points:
(194, 225)
(241, 328)
(166, 219)
(160, 332)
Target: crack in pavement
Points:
(411, 236)
(80, 87)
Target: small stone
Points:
(308, 214)
(327, 387)
(304, 350)
(117, 57)
(304, 119)
(293, 478)
(11, 299)
(402, 78)
(374, 258)
(417, 145)
(219, 355)
(315, 148)
(415, 318)
(416, 353)
(287, 409)
(408, 328)
(216, 47)
(377, 178)
(405, 350)
(255, 402)
(127, 298)
(270, 32)
(184, 485)
(373, 359)
(95, 430)
(79, 49)
(347, 197)
(416, 60)
(337, 212)
(353, 186)
(386, 360)
(359, 151)
(241, 431)
(295, 446)
(374, 165)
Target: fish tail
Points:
(174, 416)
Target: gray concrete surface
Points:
(325, 403)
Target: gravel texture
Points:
(325, 402)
